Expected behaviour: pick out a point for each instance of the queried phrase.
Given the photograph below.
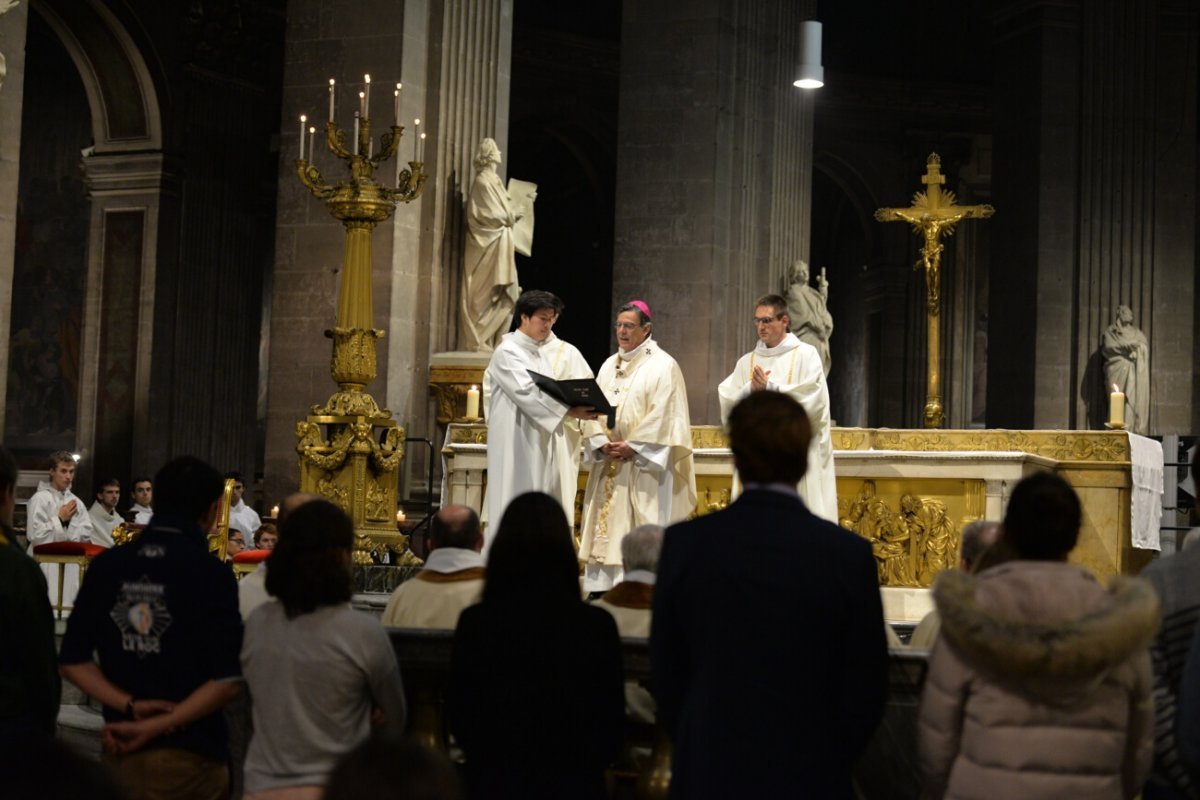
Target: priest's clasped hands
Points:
(617, 451)
(758, 381)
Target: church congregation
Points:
(442, 400)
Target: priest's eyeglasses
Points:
(767, 320)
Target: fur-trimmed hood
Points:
(1047, 627)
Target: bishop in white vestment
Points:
(526, 428)
(642, 469)
(782, 363)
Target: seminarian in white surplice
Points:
(527, 429)
(782, 363)
(642, 470)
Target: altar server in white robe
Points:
(642, 469)
(565, 363)
(782, 363)
(55, 514)
(527, 429)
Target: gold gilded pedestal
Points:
(349, 448)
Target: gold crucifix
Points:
(933, 214)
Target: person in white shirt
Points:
(241, 516)
(104, 512)
(143, 499)
(54, 514)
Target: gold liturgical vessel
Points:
(349, 448)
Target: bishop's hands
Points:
(758, 380)
(617, 451)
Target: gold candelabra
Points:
(349, 448)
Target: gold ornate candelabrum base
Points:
(350, 448)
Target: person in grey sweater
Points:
(320, 673)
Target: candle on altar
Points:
(1116, 407)
(473, 403)
(400, 515)
(397, 95)
(312, 135)
(275, 511)
(303, 120)
(331, 99)
(355, 133)
(367, 99)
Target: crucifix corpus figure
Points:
(933, 214)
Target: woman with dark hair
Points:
(1039, 685)
(318, 671)
(536, 688)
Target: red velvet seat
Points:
(68, 549)
(251, 556)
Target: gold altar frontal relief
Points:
(914, 525)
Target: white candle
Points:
(416, 139)
(362, 104)
(396, 116)
(275, 512)
(1116, 406)
(331, 99)
(400, 515)
(303, 119)
(421, 157)
(312, 135)
(367, 100)
(473, 403)
(370, 148)
(355, 133)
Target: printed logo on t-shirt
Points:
(142, 615)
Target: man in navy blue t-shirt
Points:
(161, 615)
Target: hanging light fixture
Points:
(812, 74)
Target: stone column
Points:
(12, 97)
(1095, 171)
(713, 174)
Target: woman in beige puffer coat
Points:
(1039, 686)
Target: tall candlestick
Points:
(303, 120)
(367, 100)
(362, 104)
(355, 133)
(473, 403)
(331, 99)
(312, 135)
(421, 157)
(417, 139)
(396, 116)
(1116, 407)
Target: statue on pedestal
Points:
(811, 321)
(490, 288)
(1126, 355)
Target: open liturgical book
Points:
(576, 392)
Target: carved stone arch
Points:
(133, 199)
(120, 89)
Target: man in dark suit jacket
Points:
(767, 645)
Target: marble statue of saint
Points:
(811, 321)
(1126, 355)
(490, 289)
